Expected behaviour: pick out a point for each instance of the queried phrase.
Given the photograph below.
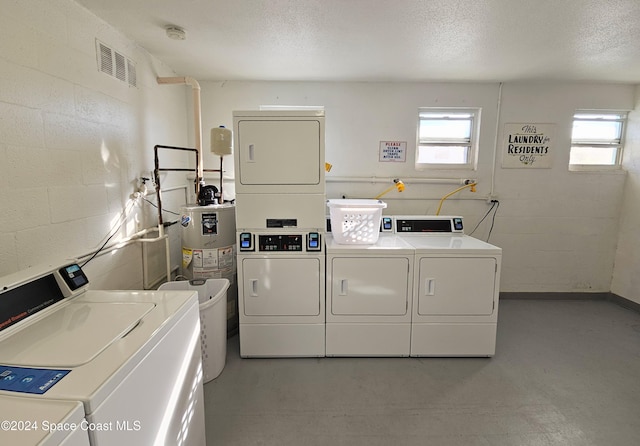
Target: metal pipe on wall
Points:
(415, 180)
(157, 169)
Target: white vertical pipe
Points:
(197, 117)
(497, 143)
(167, 247)
(197, 114)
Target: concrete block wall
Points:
(74, 141)
(626, 280)
(558, 229)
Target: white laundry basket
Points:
(355, 221)
(212, 295)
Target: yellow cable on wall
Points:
(398, 184)
(472, 187)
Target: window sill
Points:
(612, 170)
(444, 167)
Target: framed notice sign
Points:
(528, 146)
(393, 151)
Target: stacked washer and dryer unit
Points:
(280, 215)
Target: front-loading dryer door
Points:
(281, 286)
(370, 286)
(268, 150)
(457, 286)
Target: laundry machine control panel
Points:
(386, 224)
(246, 241)
(28, 292)
(313, 242)
(431, 224)
(74, 278)
(310, 242)
(280, 242)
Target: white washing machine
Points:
(29, 422)
(456, 288)
(369, 293)
(132, 358)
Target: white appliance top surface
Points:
(390, 244)
(96, 335)
(312, 112)
(73, 335)
(450, 244)
(31, 410)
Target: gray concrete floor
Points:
(566, 372)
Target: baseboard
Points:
(624, 302)
(553, 296)
(612, 297)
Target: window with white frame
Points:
(447, 138)
(597, 139)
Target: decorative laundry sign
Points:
(529, 146)
(393, 151)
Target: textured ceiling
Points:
(387, 40)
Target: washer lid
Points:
(72, 335)
(450, 244)
(30, 413)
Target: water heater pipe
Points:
(197, 118)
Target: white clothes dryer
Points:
(369, 294)
(132, 358)
(281, 293)
(29, 422)
(456, 288)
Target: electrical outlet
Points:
(492, 199)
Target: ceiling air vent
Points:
(115, 64)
